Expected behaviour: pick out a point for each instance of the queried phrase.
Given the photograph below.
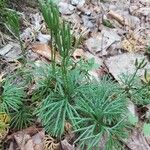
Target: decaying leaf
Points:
(44, 50)
(100, 42)
(38, 140)
(78, 53)
(129, 45)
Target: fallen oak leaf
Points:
(44, 50)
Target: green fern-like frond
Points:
(102, 108)
(12, 21)
(141, 96)
(22, 118)
(54, 111)
(11, 96)
(138, 92)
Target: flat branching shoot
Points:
(22, 118)
(136, 89)
(57, 101)
(13, 25)
(51, 16)
(129, 81)
(11, 96)
(102, 110)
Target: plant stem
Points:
(130, 81)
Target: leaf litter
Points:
(114, 46)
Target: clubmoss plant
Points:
(102, 109)
(135, 89)
(68, 95)
(13, 25)
(11, 96)
(23, 117)
(13, 101)
(60, 84)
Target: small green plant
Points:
(2, 9)
(56, 107)
(102, 109)
(13, 25)
(68, 95)
(11, 96)
(135, 89)
(13, 102)
(22, 118)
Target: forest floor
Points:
(114, 32)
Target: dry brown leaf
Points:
(133, 42)
(44, 50)
(11, 146)
(117, 17)
(29, 145)
(124, 64)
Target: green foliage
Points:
(13, 25)
(135, 89)
(66, 94)
(22, 118)
(102, 111)
(146, 129)
(13, 102)
(133, 120)
(2, 9)
(57, 103)
(57, 86)
(11, 96)
(107, 23)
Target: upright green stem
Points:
(22, 51)
(129, 83)
(64, 73)
(52, 54)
